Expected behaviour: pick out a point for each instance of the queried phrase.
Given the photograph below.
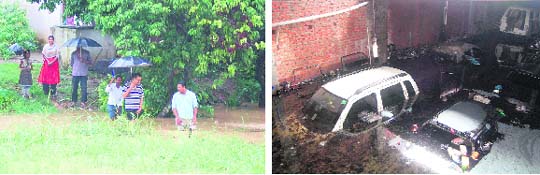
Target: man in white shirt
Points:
(184, 106)
(114, 102)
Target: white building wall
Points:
(41, 21)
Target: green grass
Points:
(99, 146)
(9, 84)
(9, 76)
(96, 145)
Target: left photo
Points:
(142, 86)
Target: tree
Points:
(14, 28)
(77, 8)
(205, 42)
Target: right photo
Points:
(415, 87)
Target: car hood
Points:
(463, 116)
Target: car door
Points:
(363, 114)
(411, 94)
(393, 100)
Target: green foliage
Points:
(7, 98)
(14, 28)
(102, 94)
(95, 145)
(206, 111)
(185, 39)
(233, 100)
(244, 90)
(248, 90)
(188, 40)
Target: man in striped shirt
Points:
(133, 94)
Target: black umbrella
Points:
(102, 66)
(81, 42)
(130, 62)
(16, 48)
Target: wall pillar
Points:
(377, 22)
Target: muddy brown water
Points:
(251, 129)
(246, 121)
(297, 150)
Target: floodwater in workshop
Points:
(297, 149)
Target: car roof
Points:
(348, 85)
(463, 116)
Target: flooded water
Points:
(246, 122)
(297, 150)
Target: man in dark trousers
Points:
(133, 94)
(80, 61)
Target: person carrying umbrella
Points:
(114, 101)
(49, 76)
(80, 61)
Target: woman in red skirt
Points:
(49, 76)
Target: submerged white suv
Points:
(360, 101)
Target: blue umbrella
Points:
(130, 62)
(81, 42)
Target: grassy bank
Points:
(10, 99)
(100, 146)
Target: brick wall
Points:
(300, 50)
(458, 18)
(414, 22)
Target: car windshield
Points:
(323, 110)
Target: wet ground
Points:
(517, 153)
(246, 121)
(64, 88)
(295, 149)
(231, 124)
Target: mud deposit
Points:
(297, 150)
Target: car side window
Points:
(515, 19)
(362, 115)
(392, 99)
(410, 89)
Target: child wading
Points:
(25, 78)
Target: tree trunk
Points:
(259, 76)
(259, 73)
(170, 90)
